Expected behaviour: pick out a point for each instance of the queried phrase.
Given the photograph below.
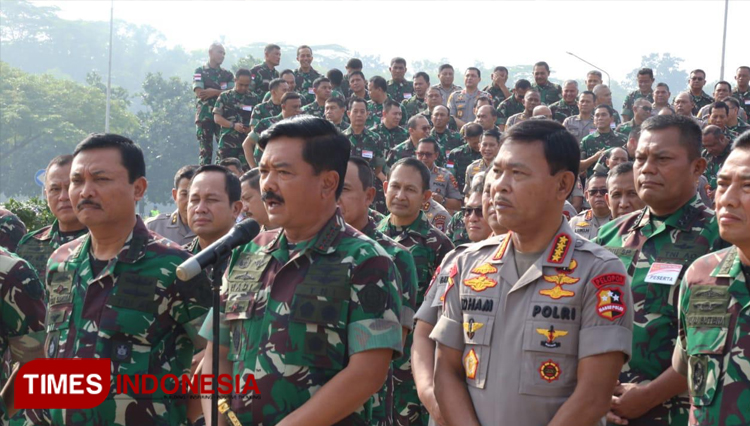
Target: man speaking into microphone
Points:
(313, 306)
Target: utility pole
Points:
(724, 42)
(109, 68)
(609, 80)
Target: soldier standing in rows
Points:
(209, 81)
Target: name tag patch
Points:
(663, 273)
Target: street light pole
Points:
(609, 80)
(724, 42)
(109, 68)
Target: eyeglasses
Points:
(646, 108)
(426, 128)
(597, 192)
(697, 78)
(468, 211)
(425, 154)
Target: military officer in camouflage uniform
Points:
(417, 103)
(441, 131)
(512, 105)
(378, 95)
(174, 226)
(418, 128)
(358, 86)
(388, 129)
(741, 91)
(446, 75)
(642, 111)
(459, 159)
(121, 300)
(656, 245)
(498, 88)
(604, 96)
(716, 149)
(399, 89)
(209, 81)
(645, 78)
(531, 100)
(596, 144)
(434, 98)
(567, 106)
(461, 103)
(352, 65)
(368, 145)
(272, 106)
(232, 112)
(305, 75)
(696, 81)
(407, 189)
(549, 92)
(37, 246)
(357, 195)
(722, 90)
(262, 74)
(588, 222)
(734, 123)
(536, 323)
(593, 78)
(313, 306)
(714, 326)
(442, 183)
(12, 230)
(291, 105)
(489, 147)
(322, 90)
(335, 112)
(582, 124)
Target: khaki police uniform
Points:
(436, 214)
(522, 337)
(587, 225)
(170, 226)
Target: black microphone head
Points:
(246, 231)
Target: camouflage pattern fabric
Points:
(448, 140)
(549, 92)
(712, 345)
(508, 108)
(459, 160)
(400, 91)
(314, 109)
(37, 247)
(714, 163)
(263, 110)
(452, 125)
(415, 105)
(206, 130)
(11, 230)
(596, 141)
(333, 296)
(304, 84)
(497, 95)
(262, 125)
(390, 137)
(375, 114)
(474, 169)
(260, 77)
(627, 106)
(640, 240)
(700, 101)
(457, 229)
(369, 146)
(744, 98)
(237, 108)
(562, 110)
(135, 312)
(627, 127)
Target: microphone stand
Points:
(216, 317)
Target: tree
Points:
(666, 70)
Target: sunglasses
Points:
(424, 154)
(646, 108)
(468, 211)
(597, 191)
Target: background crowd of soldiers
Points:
(430, 254)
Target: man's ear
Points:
(140, 185)
(330, 181)
(370, 195)
(427, 195)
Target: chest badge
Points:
(559, 280)
(551, 334)
(471, 327)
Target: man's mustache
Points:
(271, 196)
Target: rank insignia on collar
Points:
(550, 371)
(503, 246)
(560, 249)
(484, 269)
(559, 280)
(551, 334)
(452, 273)
(480, 283)
(471, 327)
(471, 362)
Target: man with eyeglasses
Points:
(734, 123)
(442, 183)
(596, 144)
(700, 98)
(588, 222)
(642, 109)
(418, 128)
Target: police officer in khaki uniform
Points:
(536, 325)
(588, 222)
(174, 226)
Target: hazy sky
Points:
(611, 34)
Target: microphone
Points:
(240, 234)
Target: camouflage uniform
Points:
(579, 128)
(390, 137)
(627, 127)
(304, 84)
(497, 95)
(295, 314)
(206, 77)
(700, 101)
(262, 125)
(461, 104)
(382, 408)
(37, 247)
(314, 109)
(457, 229)
(236, 108)
(507, 109)
(714, 163)
(459, 160)
(562, 110)
(135, 312)
(587, 225)
(400, 91)
(170, 226)
(474, 168)
(415, 105)
(640, 240)
(375, 114)
(12, 230)
(549, 93)
(369, 146)
(627, 106)
(596, 141)
(740, 128)
(263, 110)
(403, 150)
(744, 98)
(260, 77)
(712, 347)
(448, 140)
(437, 215)
(446, 93)
(452, 125)
(443, 183)
(428, 246)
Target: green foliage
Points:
(34, 213)
(666, 70)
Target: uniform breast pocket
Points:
(317, 332)
(58, 322)
(550, 358)
(238, 312)
(706, 352)
(477, 339)
(126, 336)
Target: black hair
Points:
(130, 153)
(270, 47)
(304, 46)
(560, 147)
(690, 131)
(379, 83)
(479, 73)
(338, 100)
(416, 164)
(275, 83)
(663, 85)
(398, 60)
(289, 95)
(59, 161)
(718, 104)
(646, 71)
(390, 103)
(364, 172)
(542, 64)
(231, 181)
(336, 76)
(359, 73)
(500, 69)
(732, 100)
(320, 80)
(587, 92)
(231, 161)
(444, 66)
(252, 177)
(185, 172)
(723, 82)
(742, 141)
(355, 99)
(493, 133)
(285, 72)
(473, 129)
(698, 70)
(522, 84)
(433, 141)
(609, 109)
(242, 71)
(325, 148)
(354, 63)
(424, 75)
